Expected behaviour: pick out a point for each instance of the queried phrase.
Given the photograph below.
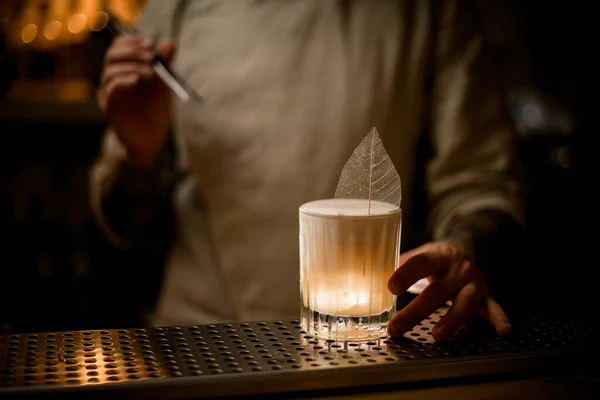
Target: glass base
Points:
(344, 327)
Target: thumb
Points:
(166, 51)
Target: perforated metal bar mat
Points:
(273, 357)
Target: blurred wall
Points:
(56, 271)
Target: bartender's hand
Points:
(136, 102)
(452, 277)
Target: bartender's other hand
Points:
(136, 102)
(452, 277)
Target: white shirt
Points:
(290, 88)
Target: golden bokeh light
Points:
(29, 33)
(52, 30)
(98, 21)
(50, 24)
(77, 23)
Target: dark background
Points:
(58, 273)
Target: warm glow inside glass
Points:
(347, 255)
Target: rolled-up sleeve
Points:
(475, 166)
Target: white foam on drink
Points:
(349, 208)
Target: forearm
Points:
(493, 239)
(136, 204)
(132, 205)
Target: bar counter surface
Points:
(549, 355)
